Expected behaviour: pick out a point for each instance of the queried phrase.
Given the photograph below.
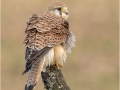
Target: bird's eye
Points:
(59, 8)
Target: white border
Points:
(0, 43)
(119, 43)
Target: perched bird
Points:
(47, 40)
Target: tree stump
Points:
(53, 79)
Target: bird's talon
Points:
(57, 65)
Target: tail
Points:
(34, 74)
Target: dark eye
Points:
(59, 8)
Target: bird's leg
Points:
(57, 65)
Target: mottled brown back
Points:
(45, 30)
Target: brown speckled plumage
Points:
(45, 30)
(56, 4)
(47, 40)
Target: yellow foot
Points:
(57, 65)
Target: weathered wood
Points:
(53, 79)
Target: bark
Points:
(53, 79)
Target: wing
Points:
(32, 55)
(45, 30)
(42, 33)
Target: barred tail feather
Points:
(34, 74)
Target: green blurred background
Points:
(93, 63)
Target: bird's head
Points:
(59, 9)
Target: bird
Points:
(48, 39)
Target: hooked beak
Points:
(64, 10)
(66, 13)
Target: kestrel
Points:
(47, 40)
